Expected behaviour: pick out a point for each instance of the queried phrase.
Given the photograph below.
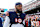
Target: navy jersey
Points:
(14, 18)
(0, 22)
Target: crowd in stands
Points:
(30, 20)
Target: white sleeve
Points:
(6, 22)
(24, 21)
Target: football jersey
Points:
(16, 18)
(0, 22)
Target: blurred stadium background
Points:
(32, 9)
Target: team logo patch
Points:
(19, 20)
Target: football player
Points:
(0, 20)
(15, 18)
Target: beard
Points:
(18, 11)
